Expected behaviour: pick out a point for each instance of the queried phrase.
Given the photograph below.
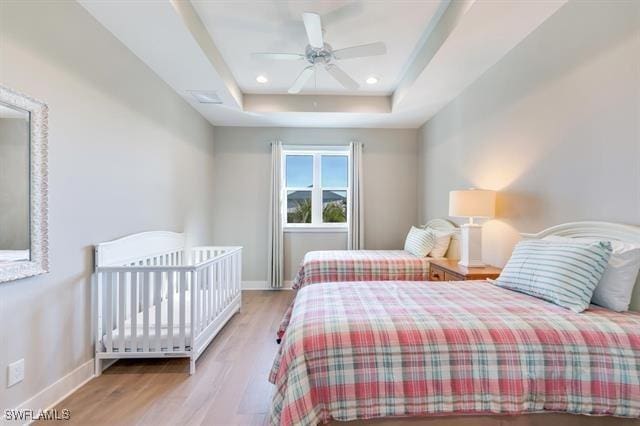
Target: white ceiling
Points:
(435, 50)
(240, 28)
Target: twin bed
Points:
(368, 265)
(364, 349)
(372, 265)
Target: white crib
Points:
(155, 299)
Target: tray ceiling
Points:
(435, 49)
(240, 28)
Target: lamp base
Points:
(471, 245)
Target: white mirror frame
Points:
(38, 209)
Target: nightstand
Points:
(449, 270)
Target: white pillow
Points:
(419, 242)
(442, 240)
(616, 285)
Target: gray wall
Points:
(554, 126)
(14, 183)
(242, 158)
(126, 155)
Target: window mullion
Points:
(316, 216)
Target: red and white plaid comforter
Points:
(361, 265)
(356, 265)
(378, 349)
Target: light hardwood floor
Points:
(230, 386)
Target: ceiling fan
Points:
(318, 52)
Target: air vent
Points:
(205, 97)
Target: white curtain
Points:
(355, 238)
(276, 261)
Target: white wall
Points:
(242, 158)
(126, 155)
(554, 126)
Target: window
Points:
(316, 187)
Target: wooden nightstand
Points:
(449, 270)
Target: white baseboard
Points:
(53, 394)
(262, 285)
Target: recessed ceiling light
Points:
(262, 79)
(372, 80)
(205, 97)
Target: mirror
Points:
(14, 184)
(23, 186)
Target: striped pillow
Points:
(419, 242)
(564, 273)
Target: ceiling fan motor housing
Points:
(319, 56)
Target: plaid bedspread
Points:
(378, 349)
(356, 265)
(361, 265)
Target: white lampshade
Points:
(472, 203)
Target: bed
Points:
(371, 265)
(320, 267)
(363, 350)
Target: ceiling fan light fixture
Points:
(318, 52)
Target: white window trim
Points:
(316, 224)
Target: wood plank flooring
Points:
(230, 386)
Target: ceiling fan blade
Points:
(342, 77)
(372, 49)
(278, 56)
(313, 25)
(301, 80)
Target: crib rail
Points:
(167, 304)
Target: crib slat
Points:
(214, 274)
(195, 306)
(121, 310)
(108, 300)
(220, 267)
(96, 291)
(234, 283)
(227, 281)
(170, 276)
(239, 272)
(231, 276)
(197, 285)
(193, 278)
(103, 279)
(134, 312)
(145, 311)
(183, 289)
(234, 275)
(212, 301)
(157, 281)
(204, 277)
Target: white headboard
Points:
(447, 226)
(598, 230)
(136, 246)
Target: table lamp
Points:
(471, 203)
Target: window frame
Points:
(316, 152)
